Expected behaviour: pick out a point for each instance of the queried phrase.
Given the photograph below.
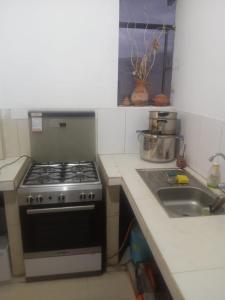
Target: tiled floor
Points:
(113, 285)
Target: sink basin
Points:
(185, 201)
(189, 200)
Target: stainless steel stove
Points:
(62, 208)
(62, 217)
(48, 183)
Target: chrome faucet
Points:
(219, 202)
(211, 158)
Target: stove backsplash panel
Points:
(62, 136)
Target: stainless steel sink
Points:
(189, 200)
(185, 201)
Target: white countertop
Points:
(11, 175)
(189, 251)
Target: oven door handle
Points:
(56, 210)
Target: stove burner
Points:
(40, 174)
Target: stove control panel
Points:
(91, 196)
(30, 200)
(39, 199)
(83, 196)
(61, 198)
(44, 197)
(87, 196)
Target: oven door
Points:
(62, 226)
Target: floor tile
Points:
(111, 285)
(68, 289)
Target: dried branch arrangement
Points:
(142, 64)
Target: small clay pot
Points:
(161, 100)
(125, 101)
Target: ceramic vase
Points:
(140, 95)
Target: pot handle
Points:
(162, 121)
(140, 133)
(163, 114)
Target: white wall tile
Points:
(23, 137)
(203, 137)
(10, 137)
(209, 143)
(19, 114)
(5, 113)
(111, 131)
(191, 128)
(16, 139)
(135, 120)
(222, 149)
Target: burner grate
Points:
(49, 173)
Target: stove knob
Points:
(91, 196)
(30, 199)
(82, 196)
(61, 198)
(39, 199)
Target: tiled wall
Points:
(116, 130)
(116, 133)
(204, 136)
(15, 134)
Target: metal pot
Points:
(156, 148)
(162, 122)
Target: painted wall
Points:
(60, 53)
(199, 64)
(198, 80)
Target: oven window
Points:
(62, 229)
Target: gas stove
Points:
(61, 204)
(46, 183)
